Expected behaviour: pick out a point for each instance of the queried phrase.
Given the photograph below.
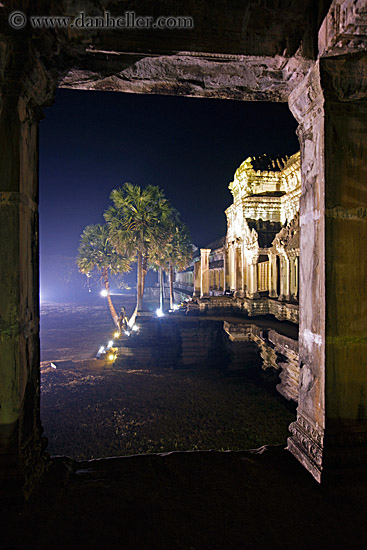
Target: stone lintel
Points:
(205, 75)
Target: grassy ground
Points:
(91, 411)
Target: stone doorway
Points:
(316, 62)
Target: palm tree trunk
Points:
(107, 287)
(144, 271)
(139, 286)
(144, 262)
(170, 285)
(161, 289)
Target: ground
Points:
(261, 500)
(91, 409)
(198, 500)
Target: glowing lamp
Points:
(111, 357)
(116, 334)
(159, 313)
(104, 292)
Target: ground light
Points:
(104, 292)
(100, 352)
(159, 313)
(112, 355)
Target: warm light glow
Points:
(116, 334)
(159, 313)
(104, 292)
(111, 357)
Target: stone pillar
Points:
(297, 277)
(224, 286)
(204, 272)
(234, 269)
(21, 444)
(242, 274)
(197, 279)
(293, 278)
(331, 108)
(252, 284)
(284, 279)
(273, 276)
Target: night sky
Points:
(93, 142)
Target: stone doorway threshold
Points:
(202, 500)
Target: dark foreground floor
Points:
(190, 501)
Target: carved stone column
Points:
(252, 284)
(242, 273)
(197, 279)
(232, 252)
(273, 276)
(234, 269)
(292, 278)
(21, 444)
(297, 277)
(331, 108)
(225, 268)
(204, 272)
(284, 278)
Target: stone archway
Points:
(328, 98)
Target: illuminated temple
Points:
(258, 259)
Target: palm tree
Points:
(136, 223)
(158, 262)
(179, 250)
(96, 252)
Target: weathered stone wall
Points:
(176, 342)
(276, 350)
(223, 305)
(330, 105)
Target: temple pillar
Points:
(273, 276)
(21, 442)
(197, 283)
(252, 282)
(331, 108)
(233, 268)
(297, 277)
(224, 286)
(204, 272)
(242, 273)
(292, 278)
(284, 279)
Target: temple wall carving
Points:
(259, 256)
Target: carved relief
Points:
(309, 438)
